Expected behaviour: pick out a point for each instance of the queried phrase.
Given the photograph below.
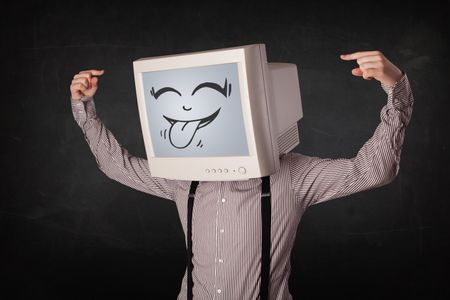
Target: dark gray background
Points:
(69, 232)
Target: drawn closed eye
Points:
(225, 90)
(162, 91)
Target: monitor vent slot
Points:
(288, 139)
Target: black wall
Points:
(67, 231)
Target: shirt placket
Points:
(219, 236)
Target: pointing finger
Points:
(93, 72)
(83, 75)
(357, 55)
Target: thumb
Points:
(357, 72)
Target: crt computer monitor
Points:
(224, 114)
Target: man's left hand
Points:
(373, 64)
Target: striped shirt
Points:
(226, 217)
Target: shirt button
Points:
(223, 200)
(222, 230)
(219, 291)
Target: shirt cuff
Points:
(84, 108)
(399, 93)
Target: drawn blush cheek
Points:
(164, 133)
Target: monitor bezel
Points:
(251, 64)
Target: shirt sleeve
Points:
(315, 179)
(112, 159)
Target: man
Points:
(226, 218)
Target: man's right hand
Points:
(85, 84)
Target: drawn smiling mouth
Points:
(182, 132)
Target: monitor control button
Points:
(219, 170)
(225, 170)
(213, 170)
(207, 170)
(242, 170)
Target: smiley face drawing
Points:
(182, 132)
(195, 111)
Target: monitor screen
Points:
(195, 112)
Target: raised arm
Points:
(112, 159)
(317, 179)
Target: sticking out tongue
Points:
(181, 133)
